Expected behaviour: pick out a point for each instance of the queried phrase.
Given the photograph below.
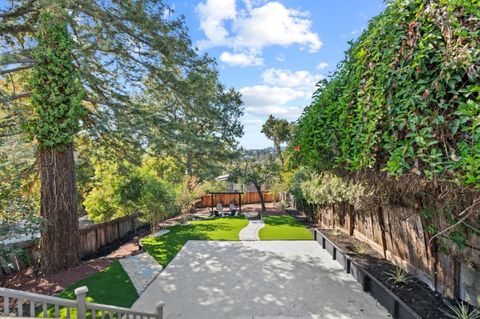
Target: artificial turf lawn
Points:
(283, 227)
(111, 286)
(164, 248)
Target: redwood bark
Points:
(279, 152)
(59, 244)
(260, 194)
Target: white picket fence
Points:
(17, 303)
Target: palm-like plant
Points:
(398, 276)
(361, 248)
(461, 310)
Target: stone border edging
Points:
(397, 307)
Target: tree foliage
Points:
(116, 46)
(405, 99)
(279, 131)
(258, 173)
(201, 120)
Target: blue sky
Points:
(274, 52)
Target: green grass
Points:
(111, 286)
(283, 227)
(164, 248)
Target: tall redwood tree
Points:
(56, 110)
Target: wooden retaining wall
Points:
(398, 234)
(247, 198)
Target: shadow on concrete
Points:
(274, 279)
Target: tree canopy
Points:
(256, 172)
(279, 131)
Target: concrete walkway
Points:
(250, 232)
(141, 269)
(257, 279)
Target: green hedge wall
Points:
(406, 98)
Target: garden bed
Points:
(413, 299)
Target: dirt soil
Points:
(426, 302)
(29, 280)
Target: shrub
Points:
(327, 188)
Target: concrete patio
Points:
(257, 279)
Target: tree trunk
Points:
(279, 151)
(189, 164)
(59, 244)
(260, 194)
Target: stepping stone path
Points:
(141, 269)
(251, 231)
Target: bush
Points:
(327, 188)
(122, 189)
(282, 205)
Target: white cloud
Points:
(278, 89)
(241, 59)
(255, 27)
(274, 24)
(261, 95)
(322, 65)
(302, 80)
(213, 13)
(289, 112)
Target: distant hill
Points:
(257, 153)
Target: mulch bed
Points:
(29, 280)
(426, 302)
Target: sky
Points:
(274, 52)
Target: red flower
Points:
(297, 148)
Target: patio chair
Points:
(233, 209)
(219, 211)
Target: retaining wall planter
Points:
(398, 308)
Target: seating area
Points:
(234, 207)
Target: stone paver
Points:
(257, 279)
(250, 232)
(141, 269)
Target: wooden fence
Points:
(397, 232)
(91, 239)
(94, 237)
(247, 198)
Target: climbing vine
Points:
(56, 90)
(406, 98)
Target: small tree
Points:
(279, 131)
(256, 172)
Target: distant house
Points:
(236, 187)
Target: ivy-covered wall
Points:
(406, 99)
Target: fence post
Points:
(81, 293)
(160, 306)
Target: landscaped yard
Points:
(164, 248)
(283, 227)
(112, 286)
